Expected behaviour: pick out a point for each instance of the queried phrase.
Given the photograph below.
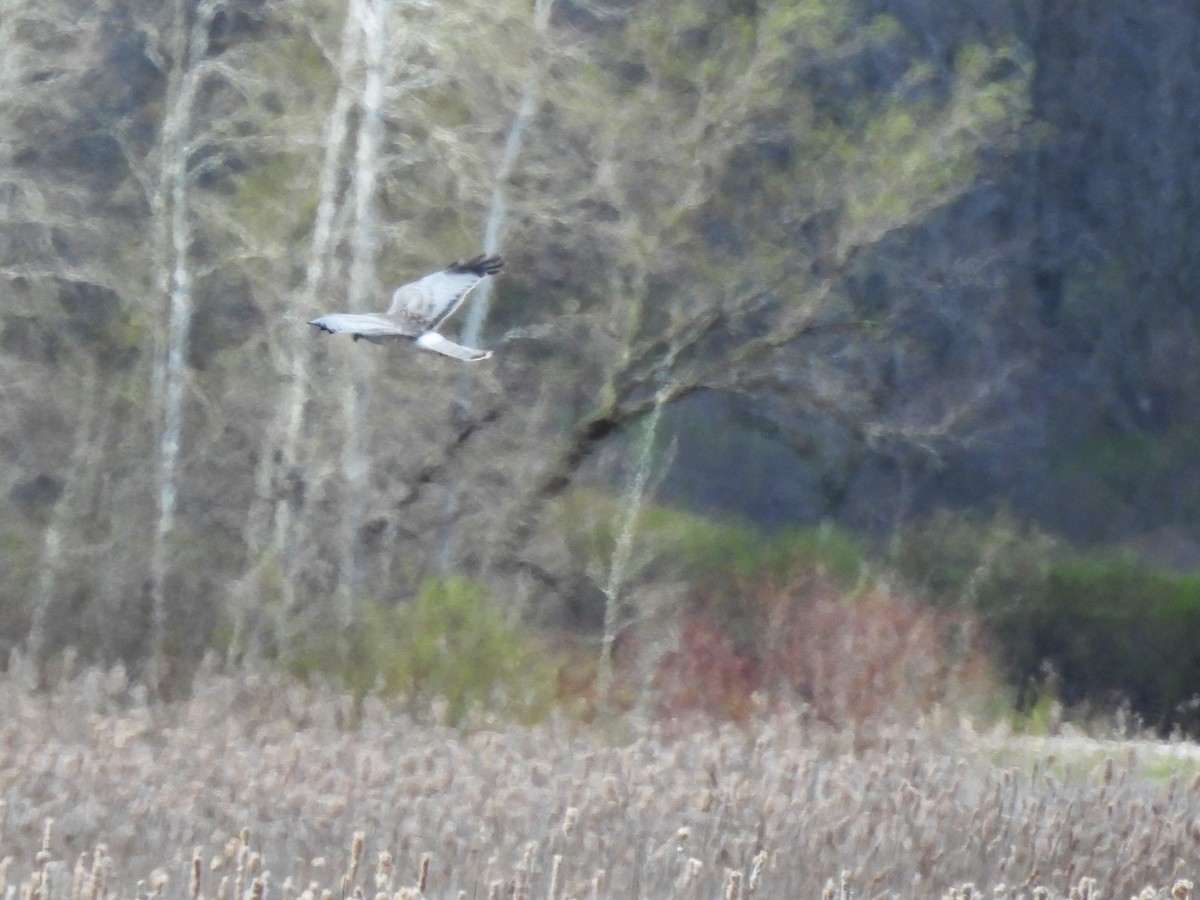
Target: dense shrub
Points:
(851, 657)
(1100, 629)
(448, 650)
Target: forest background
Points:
(847, 351)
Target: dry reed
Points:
(137, 795)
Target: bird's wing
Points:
(371, 326)
(430, 300)
(431, 340)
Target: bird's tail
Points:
(481, 265)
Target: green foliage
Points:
(700, 548)
(272, 198)
(1109, 628)
(448, 645)
(1113, 470)
(915, 154)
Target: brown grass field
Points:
(256, 787)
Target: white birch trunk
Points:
(284, 538)
(174, 227)
(479, 302)
(364, 243)
(618, 567)
(274, 525)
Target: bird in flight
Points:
(418, 308)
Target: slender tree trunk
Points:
(170, 373)
(623, 550)
(50, 558)
(279, 485)
(480, 300)
(364, 243)
(479, 303)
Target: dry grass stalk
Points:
(900, 808)
(78, 879)
(356, 854)
(423, 872)
(733, 885)
(158, 882)
(195, 872)
(383, 871)
(555, 869)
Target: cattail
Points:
(158, 882)
(597, 884)
(494, 890)
(383, 871)
(691, 871)
(356, 852)
(756, 870)
(257, 888)
(223, 888)
(97, 886)
(197, 866)
(569, 817)
(423, 872)
(733, 889)
(555, 866)
(1181, 890)
(830, 890)
(78, 881)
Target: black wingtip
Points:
(481, 265)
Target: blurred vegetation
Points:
(449, 652)
(880, 260)
(703, 549)
(1093, 630)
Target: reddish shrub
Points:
(707, 673)
(851, 657)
